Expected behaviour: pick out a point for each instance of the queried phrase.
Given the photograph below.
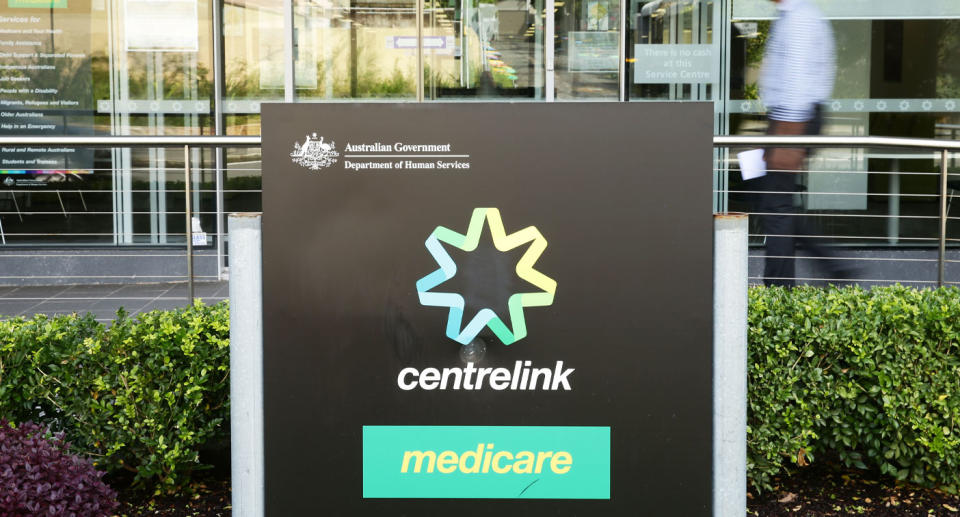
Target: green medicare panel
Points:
(487, 309)
(486, 462)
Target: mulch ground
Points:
(814, 491)
(210, 497)
(820, 490)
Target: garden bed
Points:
(827, 490)
(210, 498)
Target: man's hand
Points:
(786, 158)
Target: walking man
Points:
(797, 77)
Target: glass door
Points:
(474, 49)
(159, 77)
(671, 50)
(588, 49)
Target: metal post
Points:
(942, 256)
(218, 72)
(420, 50)
(221, 262)
(246, 366)
(539, 44)
(289, 53)
(622, 43)
(189, 213)
(464, 55)
(729, 365)
(893, 204)
(548, 48)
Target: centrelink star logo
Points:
(516, 303)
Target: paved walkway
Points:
(103, 300)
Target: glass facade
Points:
(173, 67)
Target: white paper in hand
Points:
(752, 164)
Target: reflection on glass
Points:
(587, 49)
(483, 49)
(343, 50)
(356, 49)
(253, 54)
(368, 49)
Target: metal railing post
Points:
(218, 153)
(289, 52)
(246, 366)
(942, 255)
(549, 50)
(420, 50)
(189, 214)
(730, 365)
(622, 48)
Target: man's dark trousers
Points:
(783, 224)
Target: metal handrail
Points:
(942, 146)
(835, 141)
(256, 140)
(134, 141)
(187, 141)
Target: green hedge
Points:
(142, 395)
(871, 378)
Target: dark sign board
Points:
(487, 309)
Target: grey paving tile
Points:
(180, 294)
(27, 299)
(11, 309)
(166, 305)
(29, 309)
(199, 291)
(101, 290)
(104, 316)
(62, 307)
(113, 305)
(212, 300)
(41, 291)
(103, 300)
(143, 290)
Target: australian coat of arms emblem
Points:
(314, 153)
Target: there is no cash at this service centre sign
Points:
(487, 309)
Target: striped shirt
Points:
(799, 62)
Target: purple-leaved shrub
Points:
(38, 476)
